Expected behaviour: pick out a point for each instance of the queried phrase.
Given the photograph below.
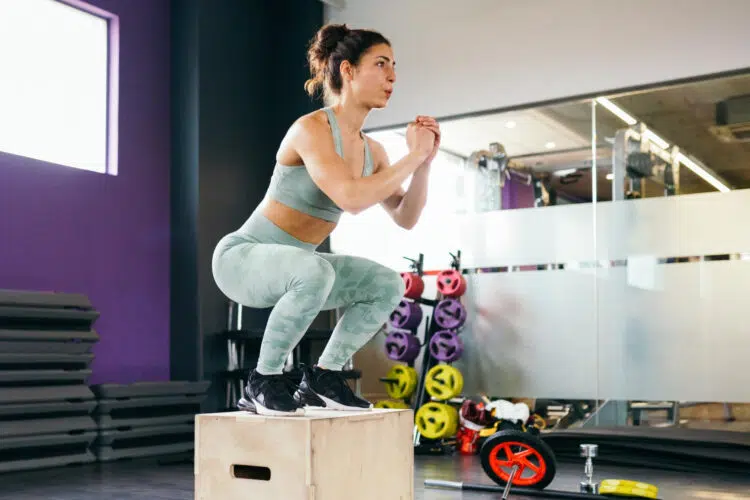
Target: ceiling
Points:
(559, 137)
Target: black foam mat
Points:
(108, 437)
(60, 408)
(38, 394)
(690, 458)
(76, 457)
(105, 422)
(675, 449)
(45, 313)
(109, 405)
(39, 426)
(43, 299)
(22, 346)
(83, 439)
(654, 434)
(52, 336)
(149, 389)
(108, 454)
(7, 376)
(19, 360)
(22, 340)
(660, 462)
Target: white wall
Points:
(462, 56)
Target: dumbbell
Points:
(589, 451)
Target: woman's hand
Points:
(420, 139)
(431, 124)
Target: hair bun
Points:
(329, 37)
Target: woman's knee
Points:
(391, 286)
(315, 272)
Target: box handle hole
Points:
(251, 472)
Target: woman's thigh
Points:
(361, 280)
(259, 274)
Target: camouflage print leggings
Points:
(262, 266)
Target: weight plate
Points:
(443, 382)
(402, 346)
(406, 316)
(404, 382)
(627, 488)
(414, 285)
(446, 346)
(508, 448)
(451, 283)
(437, 420)
(450, 314)
(392, 404)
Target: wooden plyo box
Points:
(324, 455)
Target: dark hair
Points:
(332, 45)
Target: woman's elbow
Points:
(349, 201)
(407, 223)
(350, 204)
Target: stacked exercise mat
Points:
(436, 394)
(49, 413)
(146, 419)
(46, 405)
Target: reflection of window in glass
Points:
(662, 149)
(58, 91)
(446, 182)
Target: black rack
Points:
(424, 445)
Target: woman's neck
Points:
(350, 115)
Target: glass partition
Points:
(605, 254)
(672, 248)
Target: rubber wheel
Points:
(536, 461)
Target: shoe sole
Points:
(333, 405)
(253, 406)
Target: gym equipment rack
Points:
(424, 445)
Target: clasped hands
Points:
(423, 135)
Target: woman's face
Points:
(373, 78)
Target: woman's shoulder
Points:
(314, 122)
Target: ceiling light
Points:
(616, 110)
(510, 124)
(610, 176)
(549, 145)
(563, 173)
(652, 137)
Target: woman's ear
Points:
(347, 71)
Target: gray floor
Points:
(150, 481)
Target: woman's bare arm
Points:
(404, 207)
(310, 136)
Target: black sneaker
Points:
(271, 395)
(327, 389)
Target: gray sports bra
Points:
(292, 185)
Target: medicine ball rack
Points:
(422, 444)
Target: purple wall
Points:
(517, 195)
(108, 237)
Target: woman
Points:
(325, 166)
